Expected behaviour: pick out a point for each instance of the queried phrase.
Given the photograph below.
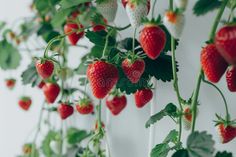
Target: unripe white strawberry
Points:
(136, 12)
(174, 22)
(108, 8)
(181, 4)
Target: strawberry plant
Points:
(115, 68)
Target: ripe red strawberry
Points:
(226, 133)
(116, 103)
(84, 106)
(213, 64)
(133, 70)
(44, 68)
(153, 40)
(25, 103)
(73, 37)
(99, 27)
(65, 110)
(51, 91)
(231, 78)
(142, 97)
(187, 117)
(225, 41)
(102, 76)
(108, 9)
(41, 84)
(10, 83)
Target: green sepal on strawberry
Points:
(152, 38)
(85, 106)
(65, 110)
(142, 97)
(51, 92)
(25, 103)
(10, 83)
(44, 67)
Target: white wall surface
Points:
(128, 137)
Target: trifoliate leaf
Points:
(169, 110)
(181, 153)
(65, 4)
(202, 7)
(75, 136)
(200, 144)
(224, 154)
(160, 150)
(171, 137)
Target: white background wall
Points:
(129, 138)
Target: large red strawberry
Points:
(225, 41)
(116, 103)
(45, 68)
(65, 110)
(226, 133)
(213, 64)
(102, 76)
(133, 69)
(71, 28)
(85, 106)
(10, 83)
(51, 91)
(142, 97)
(153, 40)
(25, 103)
(108, 9)
(231, 78)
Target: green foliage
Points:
(203, 7)
(30, 75)
(169, 110)
(181, 153)
(172, 137)
(45, 6)
(75, 136)
(9, 56)
(51, 136)
(65, 4)
(224, 154)
(60, 17)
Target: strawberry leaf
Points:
(160, 150)
(65, 4)
(60, 18)
(203, 7)
(75, 136)
(224, 154)
(172, 137)
(181, 153)
(47, 151)
(45, 6)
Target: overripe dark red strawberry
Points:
(213, 64)
(69, 28)
(142, 97)
(51, 91)
(231, 78)
(10, 83)
(99, 27)
(225, 41)
(44, 68)
(116, 103)
(102, 76)
(226, 133)
(41, 84)
(25, 103)
(85, 106)
(133, 70)
(153, 40)
(65, 110)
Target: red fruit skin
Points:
(102, 76)
(41, 84)
(133, 71)
(213, 64)
(142, 97)
(51, 91)
(44, 69)
(73, 37)
(124, 3)
(85, 109)
(231, 78)
(96, 125)
(25, 104)
(97, 28)
(116, 104)
(10, 83)
(226, 134)
(188, 114)
(225, 41)
(65, 111)
(153, 40)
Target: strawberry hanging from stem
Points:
(74, 35)
(65, 110)
(142, 97)
(44, 67)
(85, 106)
(25, 103)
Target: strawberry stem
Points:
(106, 43)
(200, 76)
(133, 44)
(153, 8)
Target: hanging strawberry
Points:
(136, 10)
(41, 84)
(99, 23)
(102, 76)
(65, 110)
(25, 103)
(152, 39)
(85, 106)
(44, 68)
(181, 4)
(174, 22)
(10, 83)
(231, 78)
(142, 97)
(51, 91)
(108, 8)
(213, 64)
(225, 41)
(72, 30)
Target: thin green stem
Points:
(106, 44)
(133, 43)
(119, 28)
(153, 8)
(99, 115)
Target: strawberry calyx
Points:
(84, 102)
(134, 3)
(25, 98)
(116, 93)
(153, 22)
(226, 122)
(11, 79)
(65, 103)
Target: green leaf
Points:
(160, 150)
(169, 110)
(46, 143)
(45, 6)
(9, 56)
(65, 4)
(202, 7)
(224, 154)
(200, 144)
(181, 153)
(75, 136)
(172, 137)
(60, 18)
(30, 76)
